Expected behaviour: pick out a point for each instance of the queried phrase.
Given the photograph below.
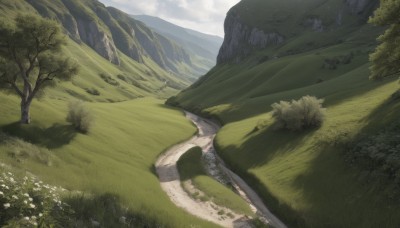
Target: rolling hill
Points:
(126, 69)
(283, 50)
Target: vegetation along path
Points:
(166, 167)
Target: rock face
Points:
(358, 6)
(91, 34)
(315, 24)
(241, 39)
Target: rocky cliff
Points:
(241, 39)
(108, 31)
(248, 28)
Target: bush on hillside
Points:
(379, 153)
(80, 116)
(110, 80)
(298, 115)
(27, 202)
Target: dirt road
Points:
(170, 181)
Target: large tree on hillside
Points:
(386, 58)
(30, 58)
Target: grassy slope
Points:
(303, 177)
(116, 157)
(146, 79)
(190, 168)
(305, 173)
(304, 181)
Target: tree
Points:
(386, 58)
(30, 58)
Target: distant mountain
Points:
(204, 46)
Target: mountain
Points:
(121, 57)
(279, 50)
(202, 46)
(275, 46)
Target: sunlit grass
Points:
(115, 157)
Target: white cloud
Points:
(206, 16)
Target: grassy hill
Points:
(305, 177)
(131, 127)
(116, 157)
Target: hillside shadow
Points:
(342, 194)
(251, 155)
(53, 137)
(383, 115)
(257, 155)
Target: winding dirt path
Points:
(170, 181)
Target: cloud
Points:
(206, 16)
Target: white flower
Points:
(30, 199)
(1, 193)
(26, 218)
(33, 217)
(26, 194)
(6, 205)
(40, 214)
(25, 202)
(32, 205)
(15, 197)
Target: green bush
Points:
(107, 78)
(93, 91)
(27, 202)
(379, 153)
(298, 115)
(80, 116)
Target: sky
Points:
(206, 16)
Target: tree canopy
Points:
(386, 58)
(30, 57)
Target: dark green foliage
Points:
(107, 78)
(30, 57)
(379, 153)
(298, 115)
(334, 62)
(93, 91)
(386, 58)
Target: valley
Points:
(164, 126)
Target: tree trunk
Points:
(25, 114)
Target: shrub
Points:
(93, 91)
(107, 78)
(298, 115)
(27, 202)
(80, 116)
(379, 152)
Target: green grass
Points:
(116, 157)
(190, 168)
(304, 178)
